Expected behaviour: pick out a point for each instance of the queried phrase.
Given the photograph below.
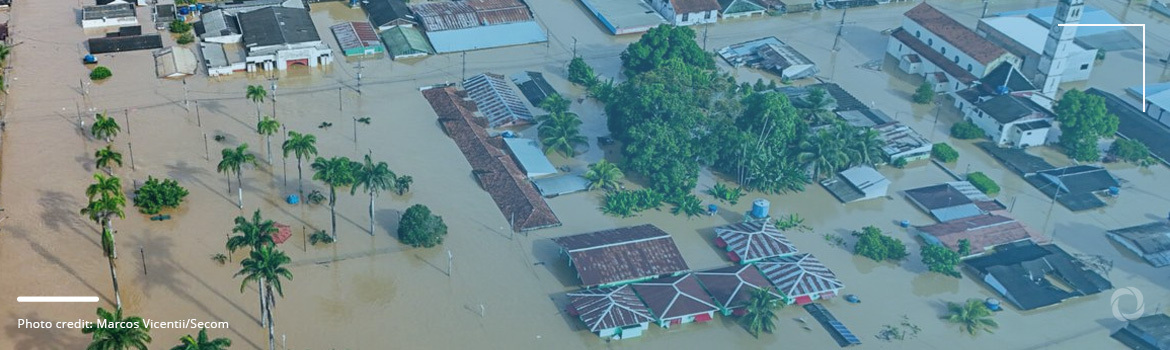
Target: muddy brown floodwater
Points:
(505, 290)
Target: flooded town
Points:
(584, 174)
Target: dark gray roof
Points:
(1080, 179)
(1151, 238)
(382, 12)
(1137, 125)
(1149, 332)
(277, 26)
(125, 43)
(622, 254)
(1021, 269)
(1016, 159)
(1008, 76)
(165, 11)
(1033, 125)
(1005, 108)
(218, 23)
(108, 11)
(938, 197)
(533, 86)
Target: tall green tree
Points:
(1083, 120)
(972, 316)
(663, 43)
(604, 175)
(131, 332)
(760, 313)
(373, 178)
(581, 73)
(234, 160)
(825, 152)
(256, 94)
(303, 147)
(924, 94)
(560, 133)
(107, 201)
(104, 127)
(268, 127)
(266, 267)
(334, 172)
(419, 228)
(873, 244)
(202, 342)
(939, 258)
(253, 235)
(555, 103)
(105, 157)
(402, 184)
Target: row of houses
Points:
(634, 276)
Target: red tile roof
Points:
(956, 33)
(936, 58)
(982, 231)
(694, 6)
(607, 308)
(675, 297)
(353, 35)
(497, 173)
(622, 254)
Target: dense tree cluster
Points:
(938, 258)
(154, 195)
(944, 152)
(983, 183)
(966, 130)
(662, 44)
(419, 228)
(1131, 151)
(873, 244)
(1083, 120)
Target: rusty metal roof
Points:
(447, 15)
(492, 12)
(353, 35)
(622, 254)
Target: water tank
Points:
(199, 7)
(904, 223)
(760, 208)
(1001, 90)
(1114, 191)
(183, 10)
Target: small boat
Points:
(852, 299)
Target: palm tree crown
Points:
(252, 234)
(604, 175)
(268, 127)
(105, 157)
(559, 133)
(202, 342)
(104, 127)
(761, 312)
(234, 161)
(373, 178)
(972, 317)
(118, 338)
(303, 146)
(334, 172)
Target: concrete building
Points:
(1005, 106)
(1109, 38)
(1025, 37)
(175, 62)
(615, 313)
(1058, 47)
(772, 55)
(740, 8)
(856, 184)
(1149, 241)
(217, 26)
(112, 15)
(530, 157)
(220, 59)
(277, 37)
(687, 12)
(406, 42)
(357, 38)
(946, 53)
(901, 142)
(623, 16)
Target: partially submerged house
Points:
(982, 232)
(112, 15)
(952, 201)
(124, 43)
(279, 37)
(1150, 332)
(1003, 104)
(800, 278)
(220, 59)
(750, 241)
(623, 255)
(687, 12)
(530, 157)
(1149, 241)
(611, 312)
(949, 55)
(623, 16)
(731, 287)
(175, 62)
(357, 38)
(740, 8)
(772, 55)
(900, 141)
(406, 42)
(1076, 186)
(1023, 273)
(386, 14)
(857, 184)
(497, 100)
(217, 26)
(454, 26)
(676, 300)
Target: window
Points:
(709, 14)
(917, 34)
(960, 106)
(969, 68)
(899, 47)
(930, 41)
(686, 17)
(956, 86)
(956, 58)
(1085, 66)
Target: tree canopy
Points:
(419, 228)
(154, 195)
(1083, 120)
(871, 243)
(938, 258)
(661, 44)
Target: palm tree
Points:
(234, 161)
(253, 234)
(107, 201)
(972, 317)
(334, 172)
(761, 312)
(131, 332)
(559, 133)
(106, 157)
(104, 127)
(302, 146)
(267, 127)
(265, 267)
(824, 152)
(373, 178)
(402, 184)
(604, 175)
(201, 342)
(256, 93)
(555, 103)
(866, 146)
(4, 51)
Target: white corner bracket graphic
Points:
(1143, 49)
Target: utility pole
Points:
(359, 77)
(127, 117)
(142, 253)
(339, 112)
(206, 148)
(198, 118)
(985, 3)
(131, 146)
(185, 100)
(574, 47)
(464, 66)
(449, 258)
(840, 28)
(80, 121)
(285, 159)
(705, 26)
(273, 80)
(355, 118)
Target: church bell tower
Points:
(1054, 60)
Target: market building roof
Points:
(623, 16)
(496, 100)
(486, 37)
(982, 231)
(622, 254)
(753, 240)
(217, 23)
(124, 43)
(1151, 241)
(277, 26)
(799, 275)
(732, 286)
(116, 10)
(675, 296)
(445, 15)
(955, 33)
(607, 308)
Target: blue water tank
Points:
(294, 199)
(508, 134)
(760, 208)
(1114, 191)
(90, 59)
(904, 223)
(1001, 90)
(199, 7)
(184, 10)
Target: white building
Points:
(175, 62)
(277, 37)
(1025, 37)
(857, 183)
(1158, 107)
(220, 59)
(943, 51)
(687, 12)
(112, 15)
(218, 27)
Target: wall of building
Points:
(109, 22)
(1019, 138)
(1159, 113)
(943, 47)
(226, 39)
(897, 49)
(664, 8)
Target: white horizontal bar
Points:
(57, 299)
(1101, 25)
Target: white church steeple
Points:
(1054, 60)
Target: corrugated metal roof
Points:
(800, 274)
(439, 16)
(530, 157)
(490, 12)
(406, 41)
(754, 240)
(608, 308)
(498, 102)
(486, 37)
(277, 26)
(107, 11)
(355, 35)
